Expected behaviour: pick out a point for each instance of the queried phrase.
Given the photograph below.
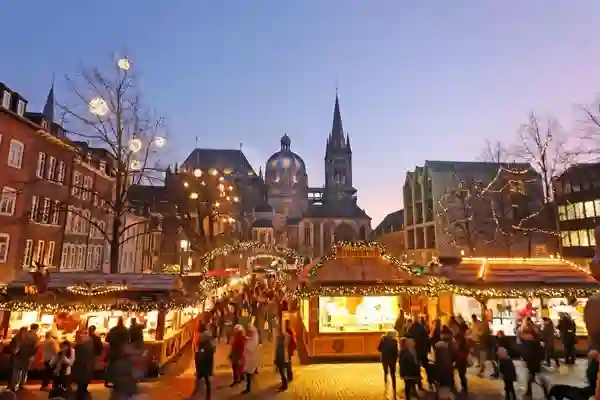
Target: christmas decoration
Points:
(95, 290)
(129, 306)
(41, 277)
(243, 247)
(381, 250)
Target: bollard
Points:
(592, 308)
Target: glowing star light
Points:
(123, 64)
(159, 141)
(98, 106)
(135, 145)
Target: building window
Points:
(56, 213)
(33, 213)
(588, 207)
(76, 190)
(15, 154)
(565, 239)
(41, 165)
(583, 238)
(49, 260)
(570, 212)
(87, 185)
(6, 99)
(562, 212)
(46, 210)
(88, 263)
(4, 243)
(51, 168)
(39, 251)
(80, 260)
(60, 177)
(574, 238)
(579, 212)
(73, 257)
(28, 253)
(64, 257)
(21, 108)
(8, 201)
(592, 236)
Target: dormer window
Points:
(44, 125)
(6, 99)
(102, 165)
(21, 108)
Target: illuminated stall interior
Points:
(512, 288)
(73, 301)
(353, 296)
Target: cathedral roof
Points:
(341, 209)
(222, 159)
(263, 207)
(262, 223)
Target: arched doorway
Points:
(344, 232)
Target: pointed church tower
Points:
(48, 112)
(338, 159)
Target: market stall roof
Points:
(508, 272)
(132, 282)
(364, 264)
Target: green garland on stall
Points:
(25, 305)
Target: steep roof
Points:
(392, 222)
(222, 159)
(341, 209)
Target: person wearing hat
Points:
(204, 361)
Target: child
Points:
(410, 369)
(508, 373)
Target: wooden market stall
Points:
(165, 305)
(506, 289)
(350, 298)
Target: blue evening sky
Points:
(427, 79)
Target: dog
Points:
(561, 392)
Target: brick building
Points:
(35, 160)
(390, 232)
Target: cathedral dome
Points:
(285, 167)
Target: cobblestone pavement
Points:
(318, 381)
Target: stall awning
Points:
(518, 272)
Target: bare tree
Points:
(465, 214)
(543, 145)
(105, 109)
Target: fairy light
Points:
(95, 290)
(98, 107)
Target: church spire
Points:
(48, 112)
(337, 131)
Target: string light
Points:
(239, 246)
(95, 290)
(130, 306)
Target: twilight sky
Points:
(428, 79)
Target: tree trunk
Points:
(115, 245)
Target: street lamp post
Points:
(183, 247)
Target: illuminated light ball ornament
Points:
(135, 165)
(159, 141)
(135, 145)
(98, 106)
(123, 64)
(193, 195)
(197, 172)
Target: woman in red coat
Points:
(237, 354)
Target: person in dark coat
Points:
(388, 348)
(204, 361)
(83, 366)
(136, 334)
(548, 338)
(117, 338)
(567, 329)
(436, 332)
(461, 360)
(410, 369)
(444, 368)
(533, 353)
(418, 332)
(508, 373)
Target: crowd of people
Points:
(458, 345)
(67, 363)
(244, 319)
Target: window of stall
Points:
(357, 313)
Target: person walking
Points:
(549, 339)
(410, 368)
(117, 338)
(50, 349)
(204, 362)
(292, 345)
(250, 356)
(282, 357)
(62, 362)
(508, 373)
(83, 366)
(388, 348)
(236, 354)
(23, 357)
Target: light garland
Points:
(384, 254)
(239, 246)
(95, 290)
(28, 305)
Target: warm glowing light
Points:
(236, 199)
(197, 173)
(231, 220)
(203, 183)
(482, 270)
(185, 184)
(221, 179)
(228, 198)
(98, 107)
(221, 187)
(184, 244)
(213, 172)
(217, 204)
(135, 165)
(230, 187)
(193, 195)
(135, 145)
(159, 141)
(123, 64)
